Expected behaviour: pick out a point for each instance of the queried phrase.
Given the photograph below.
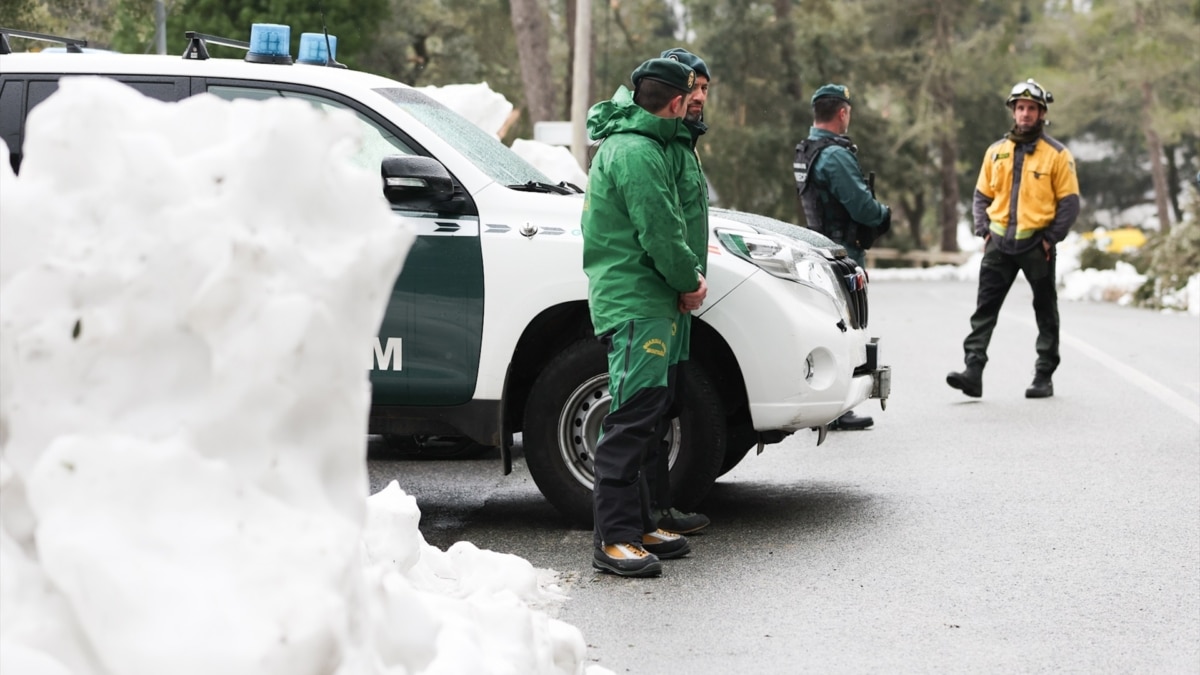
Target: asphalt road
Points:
(993, 535)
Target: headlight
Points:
(787, 259)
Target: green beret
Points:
(688, 59)
(669, 72)
(834, 90)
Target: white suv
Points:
(487, 332)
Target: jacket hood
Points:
(621, 115)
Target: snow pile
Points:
(555, 161)
(1084, 285)
(478, 103)
(1116, 285)
(186, 295)
(489, 110)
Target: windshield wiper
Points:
(562, 188)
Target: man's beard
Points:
(693, 116)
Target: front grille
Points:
(854, 289)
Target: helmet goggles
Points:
(1031, 91)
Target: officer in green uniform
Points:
(641, 275)
(693, 199)
(837, 200)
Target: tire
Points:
(566, 406)
(738, 444)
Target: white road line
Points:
(1129, 374)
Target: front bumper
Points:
(801, 365)
(881, 376)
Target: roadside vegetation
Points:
(928, 78)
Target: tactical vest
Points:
(824, 215)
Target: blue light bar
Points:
(313, 51)
(270, 43)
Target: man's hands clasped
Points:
(689, 302)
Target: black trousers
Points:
(996, 276)
(657, 466)
(631, 434)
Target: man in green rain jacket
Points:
(684, 159)
(641, 275)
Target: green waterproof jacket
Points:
(635, 250)
(693, 189)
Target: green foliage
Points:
(90, 20)
(354, 22)
(1175, 256)
(1171, 259)
(926, 75)
(19, 13)
(1092, 258)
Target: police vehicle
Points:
(487, 332)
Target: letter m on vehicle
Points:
(389, 357)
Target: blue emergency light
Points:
(270, 43)
(313, 50)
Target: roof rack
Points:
(73, 45)
(198, 49)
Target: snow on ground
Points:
(1074, 284)
(183, 411)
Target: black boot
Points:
(1042, 387)
(969, 381)
(850, 421)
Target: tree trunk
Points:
(568, 77)
(1155, 148)
(912, 211)
(533, 47)
(1154, 145)
(1173, 180)
(944, 89)
(792, 86)
(948, 211)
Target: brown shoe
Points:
(666, 545)
(626, 559)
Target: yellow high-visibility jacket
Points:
(1026, 192)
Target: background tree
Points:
(928, 77)
(1131, 83)
(533, 51)
(91, 20)
(354, 22)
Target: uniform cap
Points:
(688, 59)
(833, 90)
(670, 72)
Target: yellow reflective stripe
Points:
(999, 229)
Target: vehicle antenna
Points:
(329, 60)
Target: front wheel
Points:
(566, 407)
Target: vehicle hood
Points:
(762, 224)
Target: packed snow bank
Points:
(186, 295)
(489, 110)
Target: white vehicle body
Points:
(780, 343)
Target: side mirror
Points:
(417, 183)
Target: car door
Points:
(427, 350)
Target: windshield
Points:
(490, 155)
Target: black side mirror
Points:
(417, 183)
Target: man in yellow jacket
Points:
(1026, 199)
